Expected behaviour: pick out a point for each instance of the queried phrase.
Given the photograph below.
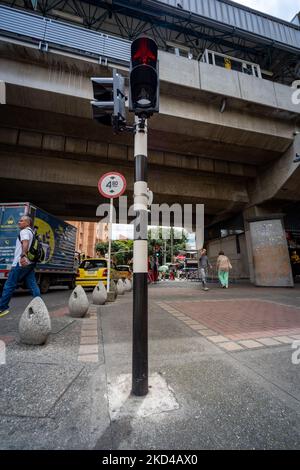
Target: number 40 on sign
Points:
(112, 185)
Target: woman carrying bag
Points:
(223, 268)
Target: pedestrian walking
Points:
(223, 268)
(155, 268)
(295, 261)
(22, 269)
(204, 264)
(150, 271)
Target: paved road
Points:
(56, 298)
(74, 392)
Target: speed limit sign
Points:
(112, 185)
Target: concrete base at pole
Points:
(122, 404)
(111, 296)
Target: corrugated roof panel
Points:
(242, 20)
(282, 33)
(293, 33)
(231, 16)
(260, 26)
(215, 8)
(242, 17)
(193, 4)
(225, 13)
(218, 7)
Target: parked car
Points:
(93, 270)
(124, 271)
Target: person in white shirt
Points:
(22, 269)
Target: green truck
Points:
(58, 239)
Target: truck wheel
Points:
(44, 285)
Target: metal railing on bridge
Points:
(45, 32)
(231, 63)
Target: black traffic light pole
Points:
(109, 109)
(140, 263)
(143, 101)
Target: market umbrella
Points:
(163, 269)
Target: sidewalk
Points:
(220, 374)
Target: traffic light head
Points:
(144, 77)
(109, 103)
(103, 103)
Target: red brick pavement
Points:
(7, 339)
(243, 318)
(61, 312)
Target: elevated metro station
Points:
(227, 135)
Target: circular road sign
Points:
(112, 185)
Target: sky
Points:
(124, 230)
(285, 9)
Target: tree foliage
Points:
(122, 250)
(157, 245)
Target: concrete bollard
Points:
(120, 287)
(128, 285)
(35, 323)
(99, 295)
(78, 303)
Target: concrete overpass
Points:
(197, 153)
(222, 138)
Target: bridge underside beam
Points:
(67, 182)
(165, 135)
(279, 180)
(74, 204)
(185, 110)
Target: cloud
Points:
(285, 9)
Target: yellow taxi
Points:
(124, 271)
(93, 270)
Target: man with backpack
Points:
(25, 258)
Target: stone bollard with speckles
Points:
(99, 294)
(127, 285)
(120, 287)
(78, 303)
(35, 323)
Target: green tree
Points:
(157, 245)
(122, 250)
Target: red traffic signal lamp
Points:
(144, 77)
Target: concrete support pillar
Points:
(268, 255)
